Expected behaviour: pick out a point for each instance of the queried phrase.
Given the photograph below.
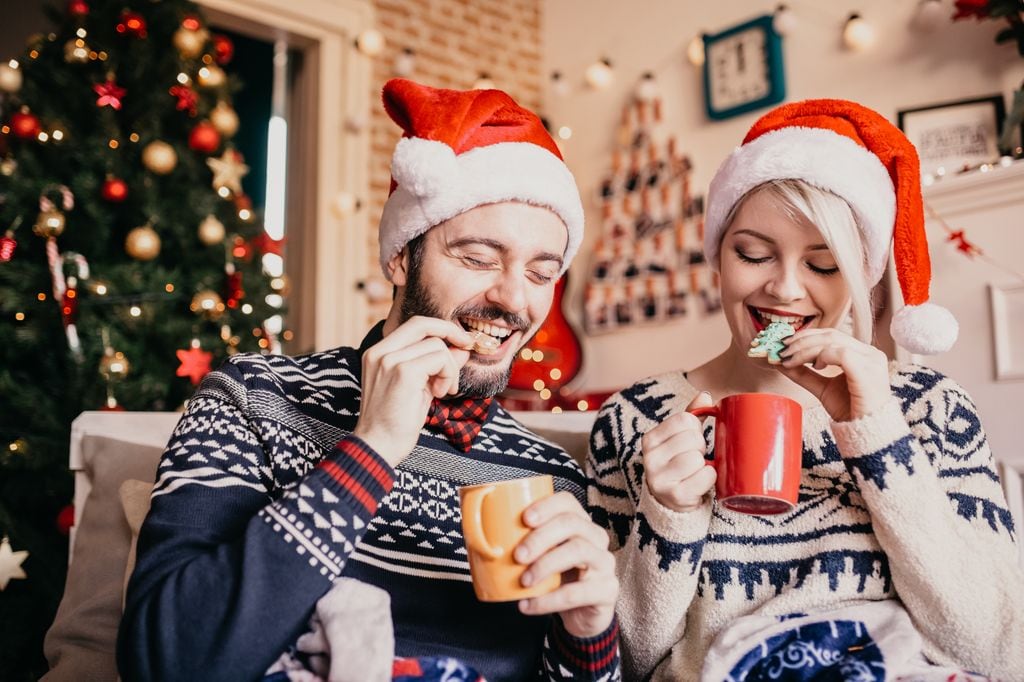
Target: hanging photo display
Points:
(648, 263)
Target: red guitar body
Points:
(554, 355)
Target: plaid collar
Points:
(459, 420)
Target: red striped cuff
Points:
(588, 654)
(359, 472)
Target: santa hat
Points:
(463, 149)
(855, 153)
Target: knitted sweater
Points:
(903, 504)
(263, 499)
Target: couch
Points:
(114, 456)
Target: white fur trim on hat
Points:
(924, 329)
(822, 158)
(435, 184)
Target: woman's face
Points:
(776, 268)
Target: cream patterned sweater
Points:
(903, 504)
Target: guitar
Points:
(553, 356)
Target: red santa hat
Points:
(463, 149)
(855, 153)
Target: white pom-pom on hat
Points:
(924, 329)
(424, 167)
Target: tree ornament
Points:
(234, 292)
(187, 98)
(10, 564)
(159, 157)
(66, 519)
(109, 94)
(7, 246)
(211, 76)
(114, 189)
(224, 119)
(228, 170)
(132, 23)
(76, 51)
(207, 303)
(241, 249)
(8, 166)
(223, 48)
(49, 223)
(78, 8)
(195, 363)
(243, 204)
(25, 125)
(10, 77)
(190, 41)
(211, 231)
(204, 138)
(143, 243)
(114, 366)
(267, 244)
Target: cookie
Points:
(768, 342)
(485, 344)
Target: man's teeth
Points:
(489, 329)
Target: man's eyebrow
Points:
(502, 248)
(761, 235)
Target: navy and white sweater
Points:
(263, 499)
(902, 504)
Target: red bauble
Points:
(78, 8)
(25, 125)
(133, 23)
(223, 48)
(234, 290)
(66, 519)
(7, 246)
(204, 138)
(192, 23)
(114, 189)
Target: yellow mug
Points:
(492, 524)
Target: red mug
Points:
(758, 452)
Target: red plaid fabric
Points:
(459, 420)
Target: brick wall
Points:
(453, 41)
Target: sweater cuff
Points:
(357, 472)
(590, 655)
(871, 433)
(681, 527)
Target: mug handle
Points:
(712, 411)
(473, 507)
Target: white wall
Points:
(907, 68)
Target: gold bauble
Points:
(189, 43)
(224, 119)
(211, 76)
(49, 224)
(281, 284)
(76, 51)
(142, 243)
(10, 78)
(159, 157)
(211, 231)
(207, 303)
(8, 166)
(114, 366)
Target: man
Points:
(289, 479)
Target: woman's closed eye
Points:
(752, 258)
(823, 269)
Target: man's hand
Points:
(402, 374)
(564, 540)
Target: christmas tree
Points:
(130, 260)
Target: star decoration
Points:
(228, 170)
(109, 94)
(267, 244)
(962, 245)
(187, 98)
(10, 564)
(195, 364)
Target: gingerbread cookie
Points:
(485, 344)
(768, 342)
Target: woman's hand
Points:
(674, 467)
(860, 390)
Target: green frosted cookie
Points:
(768, 342)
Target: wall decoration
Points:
(1008, 330)
(743, 68)
(648, 262)
(952, 136)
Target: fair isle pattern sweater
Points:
(263, 499)
(901, 504)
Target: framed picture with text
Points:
(951, 136)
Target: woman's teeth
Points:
(767, 318)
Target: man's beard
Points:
(474, 382)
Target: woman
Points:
(899, 559)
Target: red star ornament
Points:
(195, 364)
(187, 99)
(109, 94)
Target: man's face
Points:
(493, 269)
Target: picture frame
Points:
(1007, 305)
(952, 136)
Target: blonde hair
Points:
(838, 226)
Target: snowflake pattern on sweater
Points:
(902, 504)
(263, 499)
